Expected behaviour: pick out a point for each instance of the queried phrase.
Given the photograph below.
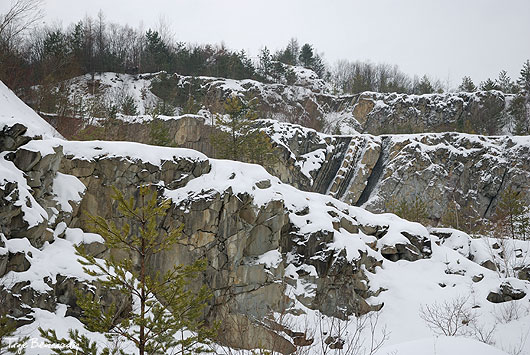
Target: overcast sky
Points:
(438, 37)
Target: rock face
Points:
(309, 101)
(264, 253)
(444, 170)
(441, 169)
(479, 112)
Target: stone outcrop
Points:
(263, 257)
(381, 113)
(227, 228)
(310, 102)
(443, 170)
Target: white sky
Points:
(436, 37)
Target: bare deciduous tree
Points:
(354, 336)
(456, 318)
(449, 318)
(21, 16)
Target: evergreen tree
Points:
(157, 53)
(524, 78)
(467, 85)
(413, 209)
(265, 62)
(512, 215)
(488, 85)
(318, 66)
(163, 303)
(290, 54)
(505, 83)
(306, 56)
(128, 106)
(8, 345)
(238, 137)
(424, 86)
(520, 105)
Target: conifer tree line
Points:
(33, 54)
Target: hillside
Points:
(446, 171)
(309, 101)
(276, 255)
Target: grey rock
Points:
(506, 292)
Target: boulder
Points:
(506, 292)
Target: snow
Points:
(441, 346)
(13, 110)
(311, 162)
(33, 213)
(272, 258)
(45, 262)
(408, 285)
(77, 237)
(444, 277)
(114, 87)
(61, 323)
(94, 150)
(67, 188)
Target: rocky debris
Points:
(490, 253)
(17, 262)
(523, 273)
(489, 264)
(506, 292)
(238, 331)
(335, 342)
(19, 299)
(12, 137)
(400, 252)
(65, 291)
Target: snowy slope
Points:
(441, 346)
(13, 110)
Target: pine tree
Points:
(128, 106)
(413, 209)
(9, 345)
(265, 62)
(505, 83)
(238, 137)
(163, 303)
(290, 54)
(524, 78)
(306, 56)
(520, 105)
(512, 215)
(467, 85)
(488, 85)
(318, 66)
(424, 86)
